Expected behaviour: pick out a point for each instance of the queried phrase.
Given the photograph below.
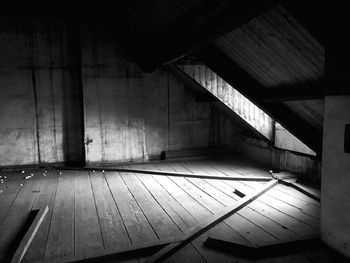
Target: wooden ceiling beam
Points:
(249, 87)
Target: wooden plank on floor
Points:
(60, 241)
(253, 231)
(203, 227)
(87, 231)
(204, 192)
(46, 196)
(251, 214)
(285, 208)
(182, 218)
(270, 225)
(137, 225)
(284, 220)
(274, 199)
(214, 255)
(177, 174)
(29, 236)
(11, 229)
(225, 168)
(200, 212)
(114, 254)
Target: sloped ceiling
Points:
(274, 49)
(277, 51)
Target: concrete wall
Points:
(131, 115)
(39, 104)
(335, 192)
(49, 67)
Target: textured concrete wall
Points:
(48, 68)
(335, 193)
(38, 101)
(130, 115)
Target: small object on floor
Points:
(93, 171)
(27, 177)
(103, 171)
(23, 172)
(21, 185)
(60, 172)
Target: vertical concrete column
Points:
(335, 197)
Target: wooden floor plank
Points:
(60, 240)
(10, 189)
(277, 202)
(286, 207)
(245, 166)
(256, 229)
(284, 220)
(274, 214)
(245, 228)
(124, 218)
(299, 195)
(10, 229)
(213, 255)
(46, 196)
(257, 217)
(137, 225)
(228, 169)
(183, 219)
(112, 227)
(199, 211)
(163, 225)
(306, 207)
(204, 226)
(87, 230)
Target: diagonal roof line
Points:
(249, 87)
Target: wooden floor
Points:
(101, 210)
